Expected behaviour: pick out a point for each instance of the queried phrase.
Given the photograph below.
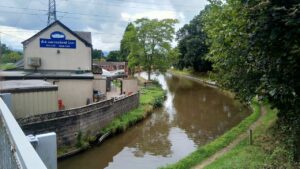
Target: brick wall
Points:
(88, 119)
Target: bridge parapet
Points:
(16, 152)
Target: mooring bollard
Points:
(250, 137)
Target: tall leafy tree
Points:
(153, 47)
(114, 56)
(97, 54)
(255, 48)
(127, 40)
(192, 45)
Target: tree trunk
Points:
(149, 73)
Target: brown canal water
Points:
(193, 114)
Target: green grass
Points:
(150, 98)
(7, 66)
(190, 72)
(116, 83)
(209, 149)
(266, 152)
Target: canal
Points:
(193, 115)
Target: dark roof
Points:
(83, 36)
(17, 86)
(45, 74)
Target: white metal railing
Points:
(18, 145)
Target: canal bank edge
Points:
(151, 97)
(204, 152)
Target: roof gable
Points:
(84, 40)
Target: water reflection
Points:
(192, 115)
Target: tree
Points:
(5, 49)
(255, 48)
(127, 40)
(114, 56)
(153, 46)
(97, 54)
(130, 47)
(11, 57)
(192, 45)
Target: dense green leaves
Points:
(255, 50)
(114, 56)
(192, 45)
(129, 37)
(148, 43)
(8, 55)
(97, 54)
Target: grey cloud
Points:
(104, 17)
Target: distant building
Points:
(56, 47)
(62, 57)
(114, 66)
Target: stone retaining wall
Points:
(88, 120)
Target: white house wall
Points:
(66, 59)
(74, 93)
(33, 103)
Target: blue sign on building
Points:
(57, 40)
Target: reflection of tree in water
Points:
(175, 83)
(203, 112)
(153, 137)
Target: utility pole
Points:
(51, 12)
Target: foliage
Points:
(127, 40)
(192, 45)
(7, 66)
(10, 57)
(151, 44)
(81, 141)
(148, 99)
(255, 49)
(114, 56)
(97, 54)
(209, 149)
(5, 49)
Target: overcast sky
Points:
(106, 19)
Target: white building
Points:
(62, 57)
(58, 48)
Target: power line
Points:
(136, 2)
(65, 12)
(19, 18)
(62, 16)
(42, 10)
(36, 31)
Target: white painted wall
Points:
(99, 83)
(67, 59)
(32, 103)
(130, 85)
(74, 92)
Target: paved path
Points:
(232, 144)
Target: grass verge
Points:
(266, 152)
(189, 72)
(209, 149)
(7, 66)
(150, 98)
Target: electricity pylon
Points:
(51, 12)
